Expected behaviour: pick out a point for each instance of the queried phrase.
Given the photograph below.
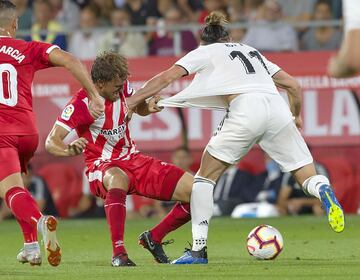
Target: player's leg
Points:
(201, 205)
(46, 225)
(116, 183)
(26, 211)
(31, 250)
(319, 186)
(15, 153)
(179, 215)
(289, 150)
(202, 202)
(163, 181)
(234, 137)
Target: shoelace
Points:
(167, 242)
(188, 249)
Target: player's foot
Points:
(333, 208)
(122, 260)
(30, 254)
(47, 226)
(154, 248)
(193, 257)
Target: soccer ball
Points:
(264, 242)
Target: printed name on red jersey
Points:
(14, 53)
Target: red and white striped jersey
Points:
(108, 136)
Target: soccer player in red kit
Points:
(115, 167)
(19, 60)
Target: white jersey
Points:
(223, 69)
(351, 12)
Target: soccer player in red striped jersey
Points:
(115, 167)
(19, 60)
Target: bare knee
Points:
(304, 173)
(13, 180)
(211, 167)
(183, 188)
(115, 178)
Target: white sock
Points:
(201, 205)
(32, 246)
(40, 224)
(312, 184)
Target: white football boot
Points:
(30, 253)
(47, 226)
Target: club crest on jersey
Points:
(68, 111)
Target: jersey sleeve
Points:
(194, 61)
(75, 115)
(128, 89)
(40, 54)
(351, 14)
(271, 67)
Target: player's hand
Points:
(152, 105)
(298, 122)
(96, 107)
(77, 147)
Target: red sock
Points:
(23, 205)
(178, 216)
(115, 215)
(29, 231)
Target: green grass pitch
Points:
(311, 251)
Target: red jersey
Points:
(19, 60)
(108, 136)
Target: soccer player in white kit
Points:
(347, 61)
(238, 78)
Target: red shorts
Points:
(15, 153)
(148, 176)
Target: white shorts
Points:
(260, 118)
(351, 13)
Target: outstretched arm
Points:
(156, 84)
(346, 63)
(55, 143)
(285, 81)
(61, 58)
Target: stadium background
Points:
(330, 106)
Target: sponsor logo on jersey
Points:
(119, 131)
(68, 111)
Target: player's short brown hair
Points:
(7, 5)
(7, 12)
(109, 65)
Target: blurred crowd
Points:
(78, 25)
